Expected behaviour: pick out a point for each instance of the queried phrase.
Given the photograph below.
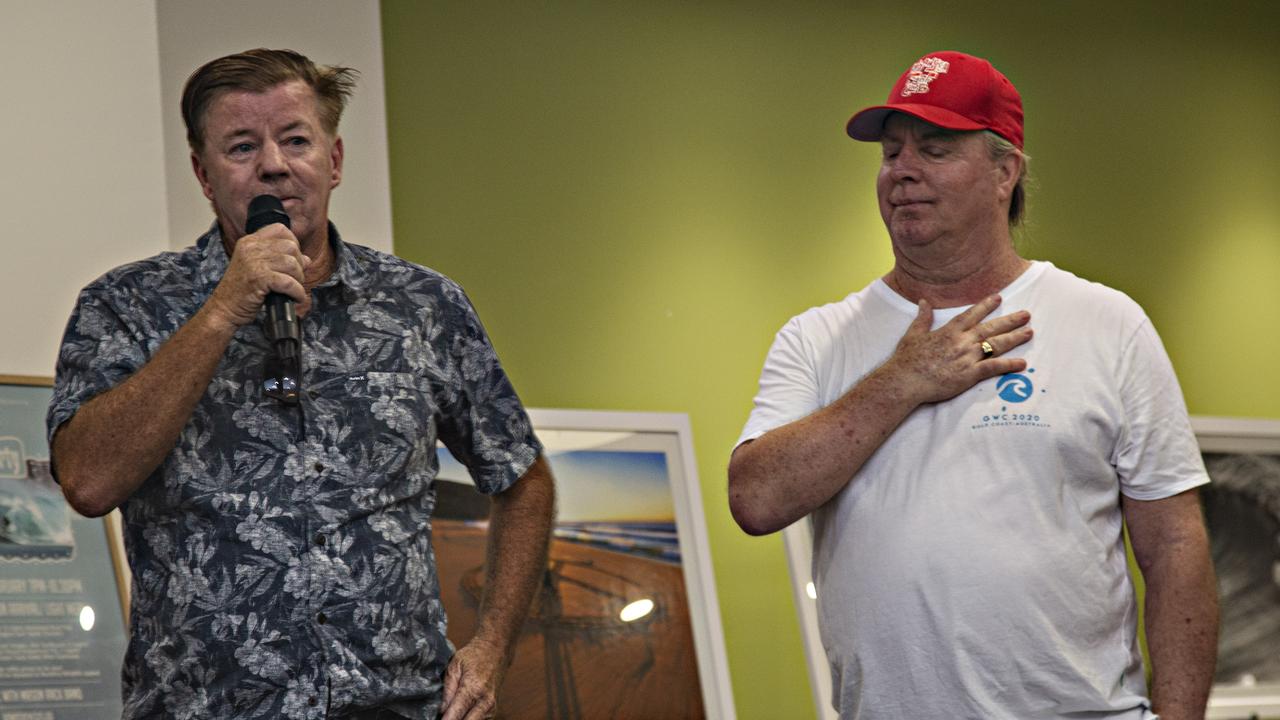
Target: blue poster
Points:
(62, 633)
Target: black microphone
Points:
(283, 374)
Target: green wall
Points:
(638, 195)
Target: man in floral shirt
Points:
(281, 553)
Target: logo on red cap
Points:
(974, 96)
(924, 71)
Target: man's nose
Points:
(271, 162)
(905, 165)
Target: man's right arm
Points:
(104, 452)
(792, 470)
(117, 439)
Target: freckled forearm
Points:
(789, 472)
(519, 535)
(117, 439)
(1182, 631)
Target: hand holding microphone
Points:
(283, 376)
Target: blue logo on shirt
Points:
(1014, 388)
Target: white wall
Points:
(95, 170)
(82, 171)
(348, 33)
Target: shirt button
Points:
(320, 618)
(319, 467)
(313, 394)
(312, 701)
(319, 539)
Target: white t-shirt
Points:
(974, 567)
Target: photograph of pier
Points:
(609, 633)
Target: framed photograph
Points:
(1242, 513)
(797, 538)
(626, 623)
(62, 621)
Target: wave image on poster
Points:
(1242, 511)
(35, 521)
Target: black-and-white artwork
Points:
(1242, 508)
(1242, 513)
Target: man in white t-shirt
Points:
(967, 478)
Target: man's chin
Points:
(911, 232)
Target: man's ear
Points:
(335, 157)
(1009, 169)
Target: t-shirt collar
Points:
(940, 315)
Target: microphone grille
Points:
(263, 211)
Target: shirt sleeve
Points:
(482, 420)
(1157, 456)
(99, 350)
(788, 385)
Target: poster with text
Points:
(62, 633)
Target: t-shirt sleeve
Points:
(788, 385)
(482, 421)
(1157, 456)
(99, 350)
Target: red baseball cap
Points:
(951, 90)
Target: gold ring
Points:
(987, 350)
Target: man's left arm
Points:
(1172, 549)
(516, 558)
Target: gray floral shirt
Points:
(281, 556)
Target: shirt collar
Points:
(349, 271)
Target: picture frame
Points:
(577, 652)
(1220, 439)
(1243, 459)
(63, 578)
(797, 541)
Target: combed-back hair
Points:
(258, 71)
